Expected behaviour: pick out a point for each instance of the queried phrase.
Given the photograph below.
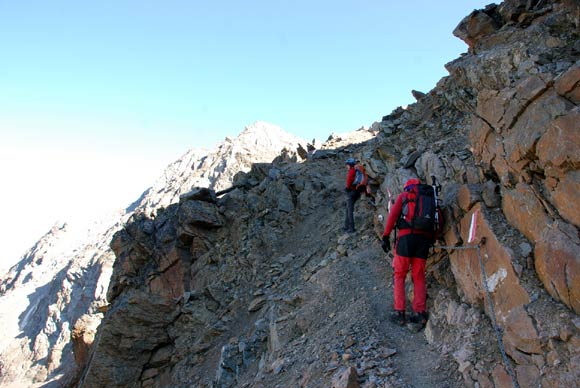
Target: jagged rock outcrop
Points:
(58, 280)
(257, 143)
(52, 301)
(259, 287)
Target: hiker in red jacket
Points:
(352, 195)
(411, 251)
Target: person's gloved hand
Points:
(386, 244)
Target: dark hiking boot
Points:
(419, 318)
(398, 317)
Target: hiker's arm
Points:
(350, 178)
(394, 215)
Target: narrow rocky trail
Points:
(416, 364)
(361, 273)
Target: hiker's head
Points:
(351, 162)
(411, 183)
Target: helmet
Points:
(350, 162)
(410, 183)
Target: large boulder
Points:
(559, 147)
(474, 26)
(83, 336)
(568, 84)
(199, 213)
(525, 211)
(503, 282)
(557, 261)
(132, 331)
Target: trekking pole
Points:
(436, 191)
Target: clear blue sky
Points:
(107, 93)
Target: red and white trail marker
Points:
(473, 227)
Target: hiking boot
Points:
(420, 318)
(398, 317)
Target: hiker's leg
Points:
(355, 195)
(351, 198)
(419, 287)
(400, 269)
(349, 210)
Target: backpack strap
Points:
(401, 222)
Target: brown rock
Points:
(346, 378)
(350, 341)
(199, 213)
(257, 304)
(468, 195)
(524, 211)
(502, 109)
(149, 373)
(501, 378)
(520, 332)
(478, 136)
(125, 343)
(568, 84)
(507, 293)
(172, 256)
(83, 336)
(557, 262)
(511, 10)
(169, 284)
(491, 194)
(417, 94)
(388, 352)
(528, 375)
(565, 197)
(484, 381)
(529, 91)
(560, 145)
(161, 356)
(530, 122)
(491, 105)
(474, 27)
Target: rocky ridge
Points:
(259, 287)
(64, 278)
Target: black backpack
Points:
(419, 213)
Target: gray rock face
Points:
(65, 276)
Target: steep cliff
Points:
(260, 288)
(64, 278)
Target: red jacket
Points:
(350, 175)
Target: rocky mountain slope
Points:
(64, 277)
(259, 287)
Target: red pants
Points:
(401, 266)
